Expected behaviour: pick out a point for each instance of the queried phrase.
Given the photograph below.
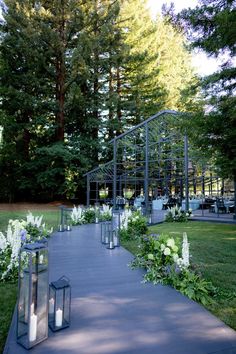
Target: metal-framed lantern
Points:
(106, 227)
(116, 221)
(97, 214)
(110, 234)
(62, 219)
(68, 222)
(32, 303)
(59, 304)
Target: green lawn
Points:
(213, 251)
(50, 217)
(8, 291)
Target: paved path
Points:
(114, 313)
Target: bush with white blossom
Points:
(175, 214)
(81, 215)
(133, 224)
(77, 216)
(18, 233)
(105, 214)
(168, 262)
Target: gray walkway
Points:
(114, 313)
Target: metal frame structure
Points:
(153, 157)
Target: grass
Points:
(8, 291)
(213, 251)
(50, 217)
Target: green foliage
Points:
(175, 214)
(193, 286)
(82, 73)
(89, 215)
(136, 227)
(160, 255)
(212, 27)
(106, 216)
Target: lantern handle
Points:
(64, 277)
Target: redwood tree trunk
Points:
(118, 90)
(60, 79)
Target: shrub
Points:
(89, 215)
(77, 216)
(18, 233)
(161, 256)
(105, 213)
(175, 214)
(133, 225)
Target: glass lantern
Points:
(59, 304)
(67, 218)
(110, 237)
(106, 227)
(61, 218)
(32, 303)
(97, 214)
(116, 220)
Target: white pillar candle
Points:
(32, 309)
(33, 328)
(51, 305)
(58, 318)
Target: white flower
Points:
(3, 242)
(185, 250)
(34, 220)
(77, 215)
(175, 248)
(179, 262)
(167, 251)
(175, 257)
(162, 247)
(170, 242)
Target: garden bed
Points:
(213, 250)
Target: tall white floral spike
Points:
(77, 214)
(185, 250)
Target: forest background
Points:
(76, 73)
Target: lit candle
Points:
(33, 328)
(58, 318)
(51, 305)
(32, 308)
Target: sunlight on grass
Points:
(213, 251)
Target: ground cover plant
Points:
(8, 290)
(213, 254)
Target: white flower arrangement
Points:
(169, 248)
(176, 214)
(106, 212)
(77, 216)
(183, 262)
(34, 220)
(185, 250)
(124, 218)
(18, 233)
